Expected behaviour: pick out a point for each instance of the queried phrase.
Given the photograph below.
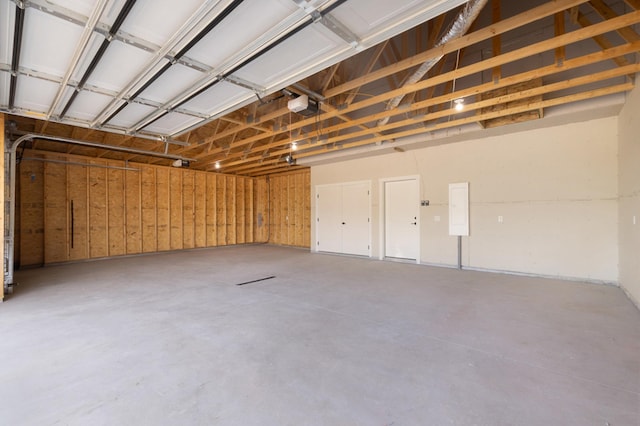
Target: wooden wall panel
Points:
(284, 206)
(211, 214)
(248, 210)
(188, 210)
(149, 209)
(306, 218)
(133, 214)
(230, 204)
(77, 192)
(162, 213)
(240, 210)
(175, 208)
(289, 208)
(154, 208)
(56, 219)
(98, 234)
(200, 210)
(274, 211)
(221, 210)
(261, 214)
(115, 210)
(298, 204)
(31, 213)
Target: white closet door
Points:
(401, 219)
(329, 220)
(355, 218)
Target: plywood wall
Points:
(283, 209)
(74, 212)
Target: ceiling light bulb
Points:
(217, 164)
(459, 104)
(294, 145)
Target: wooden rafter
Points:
(549, 70)
(254, 140)
(496, 41)
(627, 33)
(600, 39)
(533, 49)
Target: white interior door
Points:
(401, 219)
(329, 218)
(355, 218)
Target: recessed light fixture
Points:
(459, 104)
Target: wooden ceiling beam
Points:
(272, 169)
(559, 29)
(366, 69)
(242, 123)
(633, 3)
(496, 41)
(532, 15)
(600, 39)
(486, 87)
(546, 89)
(627, 33)
(484, 116)
(328, 78)
(551, 44)
(620, 88)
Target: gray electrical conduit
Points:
(460, 26)
(10, 181)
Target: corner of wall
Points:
(629, 196)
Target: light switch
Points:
(500, 219)
(436, 218)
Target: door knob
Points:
(343, 223)
(414, 223)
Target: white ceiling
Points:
(256, 48)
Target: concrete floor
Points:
(169, 339)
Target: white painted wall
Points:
(629, 187)
(556, 189)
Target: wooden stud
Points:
(558, 20)
(496, 41)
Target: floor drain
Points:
(257, 281)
